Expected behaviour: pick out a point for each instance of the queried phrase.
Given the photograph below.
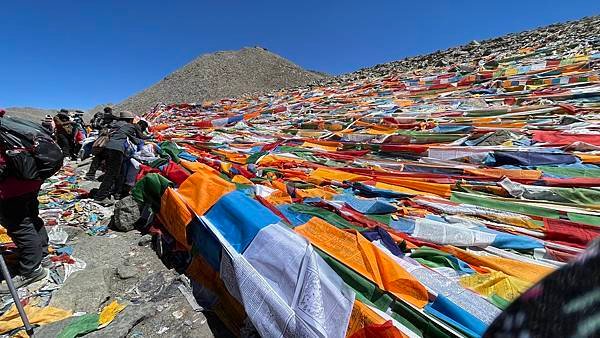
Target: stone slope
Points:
(222, 74)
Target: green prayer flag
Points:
(81, 326)
(385, 219)
(149, 190)
(159, 162)
(254, 157)
(500, 302)
(580, 196)
(493, 203)
(433, 258)
(171, 149)
(570, 172)
(586, 219)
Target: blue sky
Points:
(83, 53)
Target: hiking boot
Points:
(22, 281)
(105, 202)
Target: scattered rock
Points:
(94, 283)
(145, 240)
(152, 284)
(126, 214)
(126, 271)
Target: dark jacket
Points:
(102, 120)
(120, 131)
(11, 186)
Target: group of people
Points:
(122, 138)
(19, 206)
(68, 130)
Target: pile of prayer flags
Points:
(415, 204)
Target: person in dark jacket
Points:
(101, 122)
(19, 214)
(124, 133)
(79, 133)
(103, 119)
(65, 134)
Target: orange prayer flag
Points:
(587, 158)
(400, 189)
(197, 167)
(316, 192)
(251, 115)
(504, 125)
(366, 323)
(278, 198)
(352, 249)
(312, 145)
(202, 190)
(336, 175)
(241, 180)
(159, 127)
(510, 173)
(443, 190)
(175, 216)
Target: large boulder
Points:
(126, 214)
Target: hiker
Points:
(100, 122)
(143, 125)
(19, 209)
(96, 120)
(48, 123)
(130, 167)
(124, 135)
(103, 119)
(79, 133)
(65, 134)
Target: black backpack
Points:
(31, 151)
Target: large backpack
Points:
(102, 139)
(31, 151)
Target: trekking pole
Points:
(15, 296)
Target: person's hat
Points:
(62, 116)
(107, 109)
(48, 119)
(125, 115)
